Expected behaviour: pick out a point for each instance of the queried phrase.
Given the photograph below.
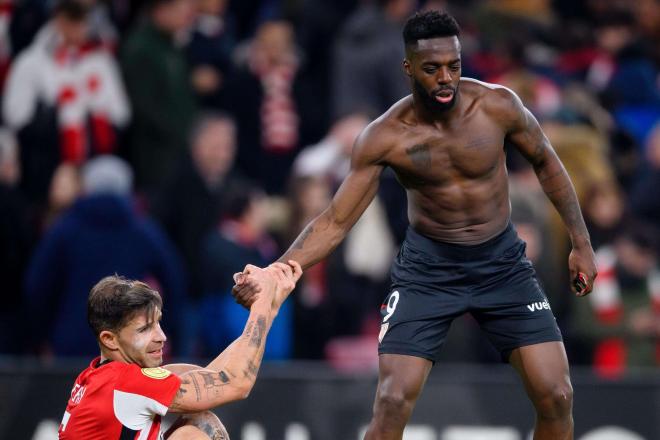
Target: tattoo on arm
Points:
(182, 389)
(214, 433)
(259, 331)
(198, 392)
(252, 369)
(248, 329)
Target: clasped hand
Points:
(278, 280)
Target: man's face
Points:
(141, 341)
(175, 16)
(73, 32)
(434, 66)
(214, 149)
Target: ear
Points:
(109, 340)
(407, 68)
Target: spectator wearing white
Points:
(66, 72)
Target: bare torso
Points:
(454, 172)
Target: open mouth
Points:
(156, 353)
(444, 96)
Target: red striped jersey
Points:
(115, 400)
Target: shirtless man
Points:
(446, 144)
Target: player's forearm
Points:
(317, 240)
(245, 353)
(232, 374)
(559, 189)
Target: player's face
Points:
(141, 341)
(434, 66)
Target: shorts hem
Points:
(407, 352)
(505, 353)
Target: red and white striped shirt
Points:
(116, 400)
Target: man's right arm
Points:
(232, 374)
(323, 234)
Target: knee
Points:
(394, 402)
(556, 402)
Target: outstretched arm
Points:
(233, 373)
(323, 234)
(526, 134)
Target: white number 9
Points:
(392, 301)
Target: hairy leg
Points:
(198, 426)
(400, 381)
(544, 371)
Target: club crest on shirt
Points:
(156, 373)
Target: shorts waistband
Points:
(489, 248)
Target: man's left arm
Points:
(526, 135)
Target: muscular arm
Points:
(232, 374)
(323, 234)
(525, 133)
(527, 136)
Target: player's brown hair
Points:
(115, 300)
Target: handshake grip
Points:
(278, 279)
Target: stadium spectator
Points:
(63, 192)
(241, 237)
(64, 98)
(368, 76)
(262, 95)
(192, 201)
(643, 198)
(99, 235)
(622, 317)
(314, 320)
(158, 82)
(209, 51)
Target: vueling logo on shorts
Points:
(538, 306)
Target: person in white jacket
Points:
(65, 86)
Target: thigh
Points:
(542, 367)
(198, 426)
(427, 294)
(402, 374)
(516, 314)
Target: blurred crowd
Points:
(175, 141)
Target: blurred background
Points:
(175, 141)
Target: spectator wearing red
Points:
(64, 97)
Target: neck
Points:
(107, 355)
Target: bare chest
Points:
(434, 157)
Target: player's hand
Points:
(287, 276)
(252, 284)
(582, 268)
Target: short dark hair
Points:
(74, 10)
(429, 24)
(115, 300)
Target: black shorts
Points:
(435, 282)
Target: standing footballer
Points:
(461, 254)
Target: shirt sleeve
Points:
(141, 393)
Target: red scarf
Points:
(279, 116)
